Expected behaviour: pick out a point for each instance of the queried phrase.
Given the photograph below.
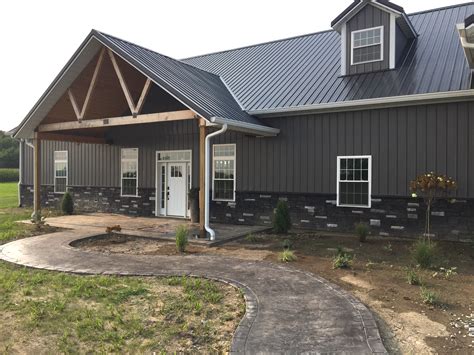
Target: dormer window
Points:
(367, 45)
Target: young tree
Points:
(431, 186)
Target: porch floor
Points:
(151, 227)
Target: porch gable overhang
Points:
(202, 92)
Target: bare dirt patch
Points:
(121, 244)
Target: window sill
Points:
(222, 200)
(354, 206)
(134, 196)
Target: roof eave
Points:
(383, 102)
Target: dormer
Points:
(375, 35)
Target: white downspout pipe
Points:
(207, 183)
(20, 172)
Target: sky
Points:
(39, 37)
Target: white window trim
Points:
(67, 169)
(234, 158)
(381, 45)
(121, 172)
(369, 157)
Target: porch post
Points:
(202, 175)
(37, 177)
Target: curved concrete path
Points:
(288, 311)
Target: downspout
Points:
(207, 165)
(20, 173)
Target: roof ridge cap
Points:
(441, 8)
(152, 51)
(259, 44)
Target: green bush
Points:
(429, 297)
(413, 278)
(281, 218)
(9, 175)
(67, 204)
(286, 244)
(251, 238)
(181, 238)
(287, 256)
(362, 230)
(342, 259)
(423, 253)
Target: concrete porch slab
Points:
(151, 227)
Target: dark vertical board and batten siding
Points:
(99, 164)
(403, 142)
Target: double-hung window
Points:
(60, 171)
(367, 45)
(354, 176)
(223, 172)
(129, 171)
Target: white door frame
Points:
(159, 212)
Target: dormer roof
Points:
(357, 5)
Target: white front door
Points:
(176, 177)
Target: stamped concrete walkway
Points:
(288, 311)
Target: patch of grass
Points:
(423, 253)
(8, 195)
(429, 297)
(342, 259)
(9, 228)
(413, 278)
(83, 314)
(287, 256)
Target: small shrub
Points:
(429, 297)
(423, 253)
(342, 259)
(251, 238)
(413, 278)
(67, 204)
(287, 256)
(362, 230)
(181, 238)
(286, 244)
(388, 248)
(281, 218)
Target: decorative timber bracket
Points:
(135, 109)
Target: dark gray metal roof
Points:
(200, 90)
(305, 70)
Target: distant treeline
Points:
(9, 157)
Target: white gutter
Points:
(245, 127)
(382, 102)
(207, 165)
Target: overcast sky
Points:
(39, 37)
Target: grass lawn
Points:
(8, 194)
(50, 312)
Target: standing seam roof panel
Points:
(287, 78)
